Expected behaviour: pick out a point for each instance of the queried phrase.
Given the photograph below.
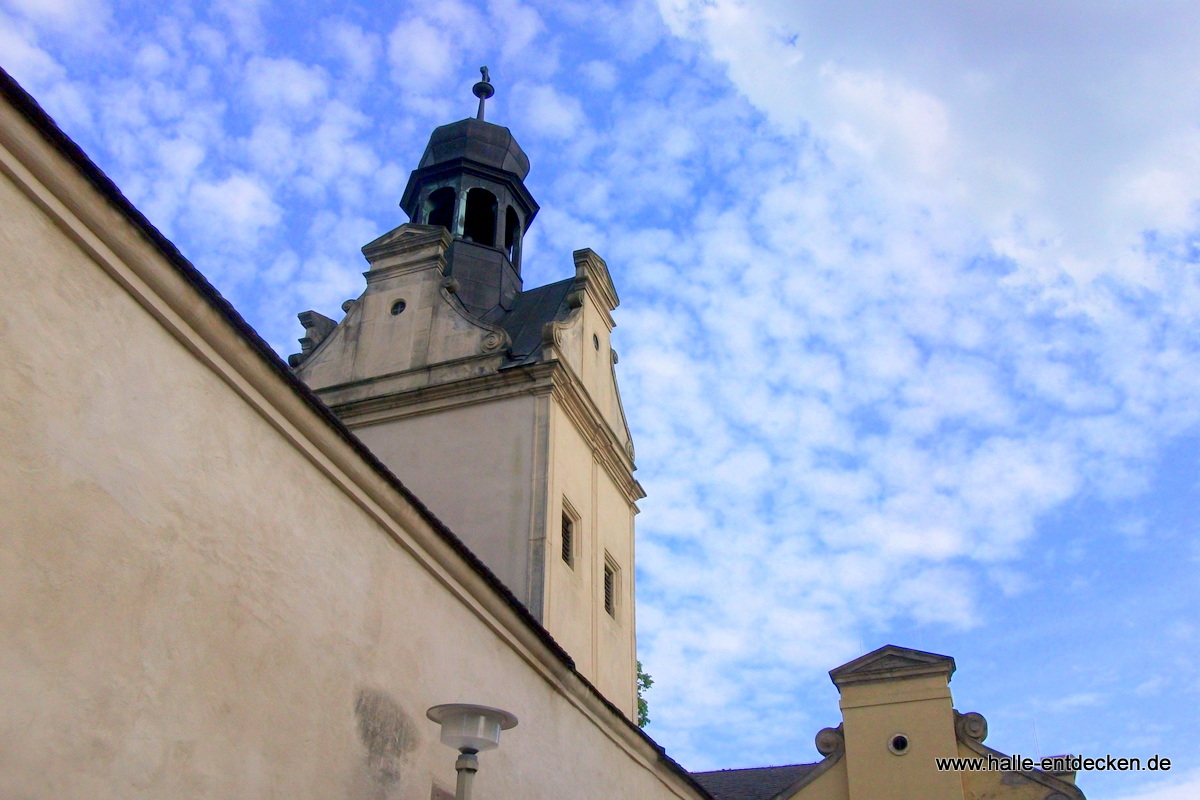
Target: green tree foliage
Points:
(644, 682)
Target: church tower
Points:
(496, 405)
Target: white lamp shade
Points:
(471, 729)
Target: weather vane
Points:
(483, 90)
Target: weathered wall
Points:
(474, 467)
(204, 592)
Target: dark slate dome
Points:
(478, 141)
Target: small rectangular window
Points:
(568, 540)
(610, 589)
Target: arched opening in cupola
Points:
(512, 236)
(440, 208)
(480, 223)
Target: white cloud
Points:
(278, 85)
(601, 75)
(544, 109)
(420, 55)
(234, 210)
(23, 59)
(884, 120)
(520, 23)
(1010, 109)
(82, 21)
(245, 20)
(428, 45)
(359, 49)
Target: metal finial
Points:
(483, 90)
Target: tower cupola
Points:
(470, 181)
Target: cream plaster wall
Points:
(616, 635)
(473, 466)
(203, 591)
(571, 591)
(575, 597)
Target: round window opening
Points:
(595, 341)
(398, 306)
(898, 744)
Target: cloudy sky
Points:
(910, 322)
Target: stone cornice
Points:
(891, 662)
(411, 393)
(406, 394)
(591, 274)
(430, 241)
(610, 451)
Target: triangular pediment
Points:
(406, 239)
(890, 662)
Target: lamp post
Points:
(469, 729)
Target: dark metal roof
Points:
(756, 783)
(479, 141)
(531, 310)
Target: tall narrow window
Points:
(610, 587)
(480, 223)
(568, 540)
(440, 207)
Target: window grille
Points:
(568, 540)
(610, 590)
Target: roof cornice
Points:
(892, 662)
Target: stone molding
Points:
(615, 456)
(970, 730)
(549, 377)
(831, 740)
(406, 240)
(892, 662)
(591, 273)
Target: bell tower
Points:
(470, 182)
(495, 404)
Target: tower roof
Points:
(478, 141)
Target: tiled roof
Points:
(756, 783)
(531, 310)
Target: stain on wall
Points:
(388, 734)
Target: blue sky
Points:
(910, 322)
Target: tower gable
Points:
(407, 318)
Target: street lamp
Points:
(469, 729)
